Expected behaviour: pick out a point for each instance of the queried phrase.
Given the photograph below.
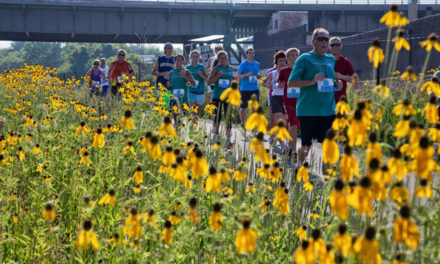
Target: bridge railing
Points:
(334, 2)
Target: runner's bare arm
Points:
(131, 72)
(169, 79)
(347, 78)
(214, 76)
(110, 73)
(155, 67)
(189, 78)
(241, 76)
(267, 82)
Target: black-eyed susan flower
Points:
(167, 233)
(193, 215)
(257, 146)
(392, 17)
(126, 121)
(357, 131)
(301, 232)
(281, 200)
(154, 151)
(431, 42)
(342, 106)
(330, 149)
(145, 141)
(85, 160)
(432, 86)
(253, 103)
(264, 172)
(216, 218)
(246, 239)
(150, 218)
(399, 194)
(264, 204)
(374, 151)
(399, 259)
(316, 242)
(360, 198)
(424, 190)
(250, 188)
(402, 127)
(87, 237)
(276, 172)
(48, 212)
(166, 129)
(338, 200)
(129, 148)
(133, 228)
(423, 163)
(82, 129)
(409, 74)
(303, 173)
(109, 198)
(20, 154)
(281, 132)
(138, 176)
(257, 121)
(404, 108)
(214, 181)
(367, 247)
(382, 89)
(340, 123)
(36, 150)
(434, 133)
(405, 230)
(304, 254)
(342, 241)
(216, 146)
(430, 111)
(137, 188)
(232, 95)
(375, 53)
(199, 167)
(174, 218)
(349, 165)
(400, 41)
(98, 139)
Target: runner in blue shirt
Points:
(248, 75)
(314, 74)
(163, 66)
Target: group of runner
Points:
(303, 89)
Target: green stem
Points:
(428, 55)
(387, 50)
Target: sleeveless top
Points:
(223, 83)
(199, 88)
(95, 77)
(179, 87)
(276, 91)
(165, 65)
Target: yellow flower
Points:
(423, 190)
(216, 218)
(391, 18)
(303, 173)
(36, 150)
(282, 132)
(231, 95)
(430, 111)
(264, 204)
(128, 148)
(308, 186)
(357, 131)
(109, 198)
(375, 53)
(360, 198)
(199, 167)
(98, 139)
(382, 89)
(431, 42)
(193, 210)
(330, 149)
(86, 236)
(432, 86)
(349, 165)
(216, 146)
(82, 129)
(257, 146)
(342, 241)
(138, 176)
(340, 123)
(305, 254)
(48, 212)
(338, 200)
(166, 129)
(258, 121)
(154, 150)
(214, 181)
(253, 103)
(246, 239)
(404, 108)
(85, 160)
(342, 106)
(132, 226)
(301, 232)
(408, 74)
(400, 41)
(367, 247)
(405, 230)
(167, 233)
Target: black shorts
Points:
(221, 106)
(314, 127)
(246, 97)
(276, 102)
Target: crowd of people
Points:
(303, 88)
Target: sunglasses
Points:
(121, 54)
(96, 64)
(322, 39)
(335, 44)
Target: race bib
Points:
(96, 83)
(104, 82)
(253, 79)
(121, 79)
(223, 83)
(179, 93)
(326, 86)
(292, 92)
(195, 85)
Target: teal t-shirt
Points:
(179, 87)
(223, 83)
(312, 102)
(200, 88)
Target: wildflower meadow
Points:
(129, 180)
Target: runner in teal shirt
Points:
(222, 83)
(196, 94)
(311, 101)
(179, 78)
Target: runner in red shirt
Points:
(289, 97)
(343, 68)
(117, 69)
